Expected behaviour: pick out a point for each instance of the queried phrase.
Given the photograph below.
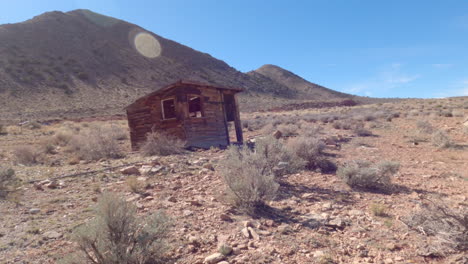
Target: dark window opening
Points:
(195, 106)
(168, 107)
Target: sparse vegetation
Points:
(249, 177)
(448, 226)
(118, 235)
(96, 143)
(378, 209)
(364, 175)
(8, 182)
(440, 139)
(311, 151)
(26, 155)
(424, 126)
(162, 144)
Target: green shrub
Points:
(118, 235)
(3, 130)
(363, 175)
(162, 144)
(8, 182)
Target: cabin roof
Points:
(181, 83)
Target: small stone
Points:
(336, 223)
(52, 235)
(131, 170)
(225, 249)
(195, 203)
(277, 134)
(34, 210)
(172, 199)
(251, 244)
(223, 262)
(388, 261)
(187, 213)
(209, 166)
(245, 232)
(247, 223)
(284, 228)
(214, 258)
(225, 217)
(254, 234)
(319, 254)
(326, 206)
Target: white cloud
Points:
(442, 65)
(390, 77)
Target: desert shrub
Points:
(362, 132)
(118, 235)
(440, 139)
(424, 126)
(26, 155)
(447, 227)
(458, 112)
(161, 144)
(134, 185)
(379, 210)
(363, 175)
(344, 124)
(3, 130)
(446, 114)
(311, 151)
(95, 144)
(279, 158)
(62, 137)
(288, 130)
(8, 181)
(48, 146)
(249, 177)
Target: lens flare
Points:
(147, 45)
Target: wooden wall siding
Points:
(145, 116)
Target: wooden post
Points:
(223, 108)
(237, 123)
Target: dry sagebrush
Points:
(118, 235)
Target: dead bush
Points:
(162, 144)
(447, 227)
(26, 155)
(424, 127)
(118, 235)
(249, 177)
(363, 175)
(95, 143)
(440, 139)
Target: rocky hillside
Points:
(82, 63)
(301, 87)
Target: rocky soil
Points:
(316, 218)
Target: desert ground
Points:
(313, 216)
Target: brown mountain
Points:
(83, 63)
(301, 88)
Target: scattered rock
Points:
(52, 235)
(130, 170)
(284, 229)
(172, 199)
(225, 249)
(34, 210)
(254, 234)
(277, 134)
(209, 166)
(245, 232)
(214, 258)
(225, 217)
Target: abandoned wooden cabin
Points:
(200, 114)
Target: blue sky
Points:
(368, 47)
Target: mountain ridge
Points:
(81, 62)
